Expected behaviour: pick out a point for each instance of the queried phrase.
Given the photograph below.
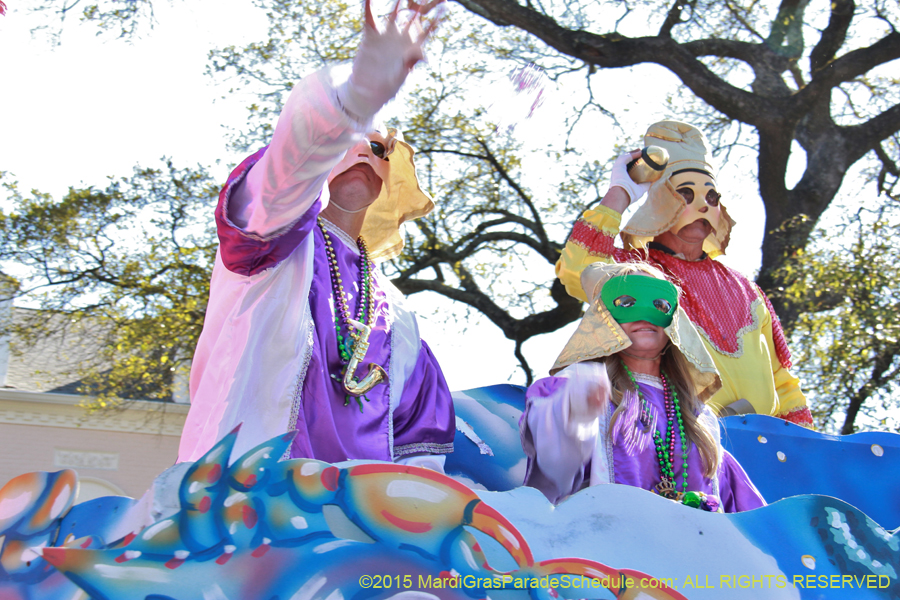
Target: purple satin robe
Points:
(424, 419)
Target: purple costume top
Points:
(568, 449)
(269, 346)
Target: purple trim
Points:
(246, 254)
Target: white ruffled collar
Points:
(648, 380)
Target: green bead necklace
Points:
(665, 447)
(365, 313)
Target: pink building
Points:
(43, 427)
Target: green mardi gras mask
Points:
(631, 298)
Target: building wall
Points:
(120, 451)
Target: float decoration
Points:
(260, 528)
(782, 459)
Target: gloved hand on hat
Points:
(619, 177)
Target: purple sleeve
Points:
(247, 254)
(735, 488)
(425, 420)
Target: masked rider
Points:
(680, 229)
(625, 401)
(302, 330)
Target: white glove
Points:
(619, 178)
(588, 391)
(384, 59)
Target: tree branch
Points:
(529, 375)
(868, 135)
(614, 50)
(496, 236)
(568, 309)
(788, 27)
(673, 17)
(888, 167)
(848, 67)
(879, 376)
(537, 227)
(833, 36)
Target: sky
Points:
(93, 107)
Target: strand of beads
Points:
(365, 312)
(366, 289)
(665, 447)
(671, 396)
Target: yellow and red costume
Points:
(734, 317)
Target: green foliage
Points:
(130, 264)
(847, 341)
(123, 18)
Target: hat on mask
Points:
(688, 149)
(401, 199)
(599, 335)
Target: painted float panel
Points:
(251, 527)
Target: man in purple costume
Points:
(297, 310)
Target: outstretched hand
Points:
(386, 56)
(589, 391)
(408, 43)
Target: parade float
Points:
(256, 527)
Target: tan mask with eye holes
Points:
(665, 209)
(700, 195)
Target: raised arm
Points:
(595, 231)
(325, 115)
(311, 136)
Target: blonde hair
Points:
(611, 270)
(675, 366)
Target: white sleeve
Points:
(435, 462)
(312, 135)
(561, 427)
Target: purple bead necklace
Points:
(665, 447)
(365, 313)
